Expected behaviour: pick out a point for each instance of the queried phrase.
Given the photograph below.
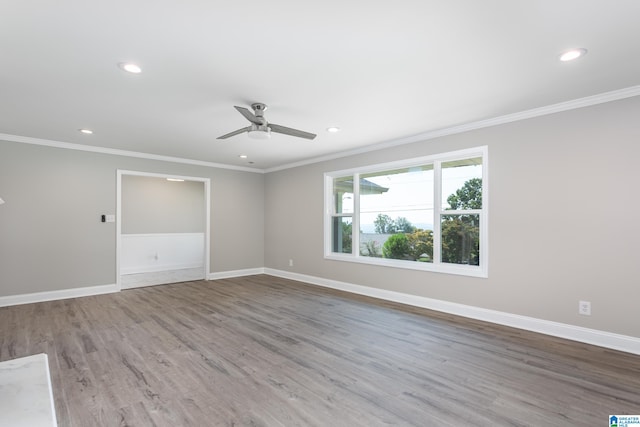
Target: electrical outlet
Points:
(584, 308)
(290, 263)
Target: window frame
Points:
(438, 212)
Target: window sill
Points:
(456, 269)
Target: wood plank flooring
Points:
(265, 351)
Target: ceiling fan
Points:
(260, 128)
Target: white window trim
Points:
(437, 266)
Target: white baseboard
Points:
(235, 273)
(575, 333)
(139, 280)
(56, 295)
(6, 301)
(141, 269)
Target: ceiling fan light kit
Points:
(260, 133)
(260, 128)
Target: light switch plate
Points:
(111, 218)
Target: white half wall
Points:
(145, 253)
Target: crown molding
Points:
(117, 152)
(509, 118)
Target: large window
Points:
(425, 213)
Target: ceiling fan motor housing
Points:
(260, 128)
(259, 109)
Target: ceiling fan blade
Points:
(234, 133)
(289, 131)
(248, 115)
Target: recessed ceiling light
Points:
(85, 131)
(130, 67)
(333, 129)
(572, 54)
(243, 156)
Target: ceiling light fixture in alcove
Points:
(573, 54)
(130, 67)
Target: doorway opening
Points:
(163, 229)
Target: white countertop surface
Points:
(26, 397)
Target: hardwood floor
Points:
(265, 351)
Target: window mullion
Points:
(437, 211)
(355, 221)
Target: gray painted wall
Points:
(51, 237)
(155, 205)
(563, 201)
(563, 197)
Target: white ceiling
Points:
(379, 70)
